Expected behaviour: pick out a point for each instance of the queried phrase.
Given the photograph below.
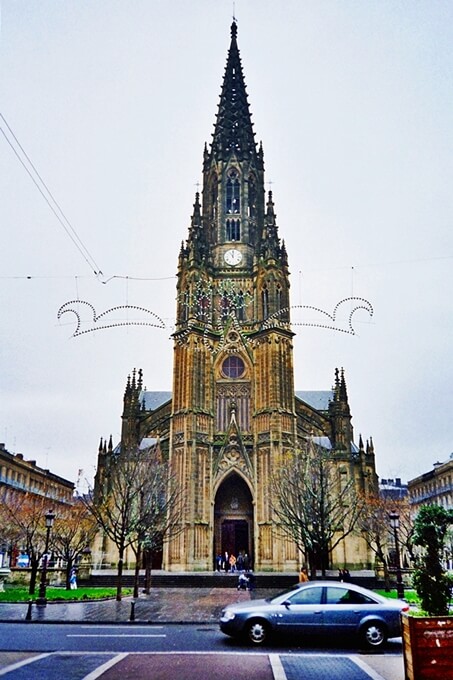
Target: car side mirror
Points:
(286, 603)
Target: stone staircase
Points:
(277, 581)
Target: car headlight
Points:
(228, 615)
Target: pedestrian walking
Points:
(303, 576)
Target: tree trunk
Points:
(138, 555)
(148, 566)
(69, 565)
(323, 564)
(34, 564)
(119, 575)
(312, 564)
(386, 577)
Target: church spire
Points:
(233, 131)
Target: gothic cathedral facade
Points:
(233, 412)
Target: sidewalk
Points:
(162, 605)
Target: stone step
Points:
(262, 581)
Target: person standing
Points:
(226, 563)
(303, 576)
(73, 579)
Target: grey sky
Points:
(113, 102)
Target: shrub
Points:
(430, 579)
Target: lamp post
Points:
(42, 600)
(395, 524)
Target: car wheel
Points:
(257, 631)
(374, 635)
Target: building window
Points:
(227, 394)
(265, 301)
(233, 230)
(224, 306)
(279, 298)
(233, 202)
(233, 367)
(252, 197)
(240, 315)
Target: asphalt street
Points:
(175, 637)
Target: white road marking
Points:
(277, 668)
(365, 667)
(103, 626)
(119, 635)
(105, 667)
(25, 662)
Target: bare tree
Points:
(73, 531)
(312, 503)
(162, 505)
(134, 501)
(374, 527)
(24, 515)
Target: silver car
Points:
(317, 608)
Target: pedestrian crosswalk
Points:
(187, 666)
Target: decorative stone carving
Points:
(232, 458)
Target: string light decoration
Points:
(214, 310)
(95, 318)
(360, 303)
(211, 320)
(199, 299)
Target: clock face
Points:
(233, 257)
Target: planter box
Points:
(427, 647)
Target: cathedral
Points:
(233, 410)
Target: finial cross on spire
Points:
(234, 27)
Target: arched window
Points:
(203, 308)
(279, 298)
(224, 306)
(213, 198)
(265, 301)
(233, 230)
(233, 202)
(240, 311)
(252, 197)
(185, 306)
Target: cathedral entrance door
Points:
(233, 518)
(235, 537)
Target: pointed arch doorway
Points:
(233, 518)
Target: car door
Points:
(301, 612)
(343, 609)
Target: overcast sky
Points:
(113, 101)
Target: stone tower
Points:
(233, 410)
(233, 413)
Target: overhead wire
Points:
(49, 198)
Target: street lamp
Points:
(395, 524)
(42, 600)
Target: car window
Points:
(306, 596)
(338, 595)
